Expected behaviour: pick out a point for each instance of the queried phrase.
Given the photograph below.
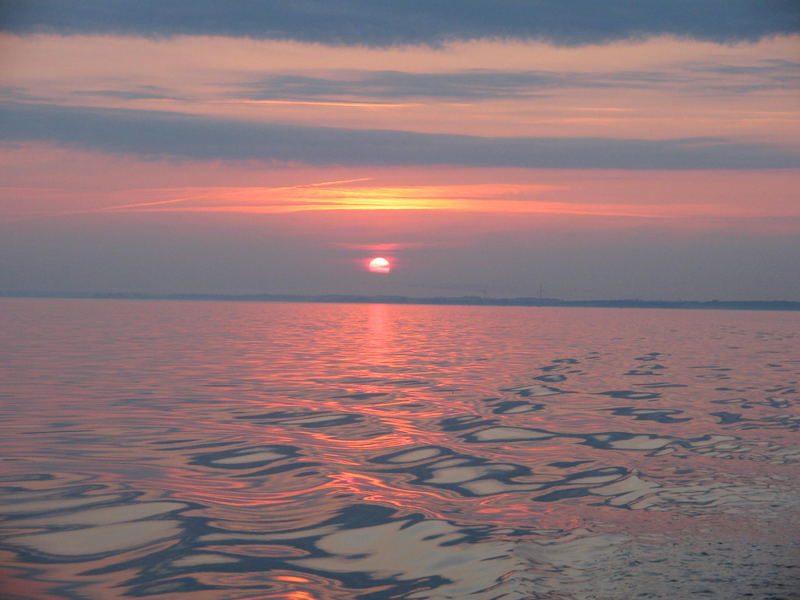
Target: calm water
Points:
(201, 450)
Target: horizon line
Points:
(465, 300)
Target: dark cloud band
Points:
(154, 134)
(392, 22)
(485, 84)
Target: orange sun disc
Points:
(379, 265)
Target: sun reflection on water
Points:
(383, 451)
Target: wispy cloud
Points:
(356, 87)
(144, 92)
(162, 134)
(471, 84)
(340, 195)
(356, 195)
(385, 247)
(761, 76)
(337, 103)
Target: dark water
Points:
(207, 450)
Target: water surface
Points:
(212, 450)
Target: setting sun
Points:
(380, 265)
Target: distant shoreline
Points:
(437, 300)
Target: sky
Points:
(578, 150)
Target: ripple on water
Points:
(348, 452)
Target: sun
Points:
(379, 265)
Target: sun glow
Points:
(337, 195)
(379, 265)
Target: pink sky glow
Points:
(661, 146)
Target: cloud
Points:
(144, 92)
(165, 134)
(388, 22)
(770, 68)
(472, 84)
(765, 75)
(485, 84)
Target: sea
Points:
(194, 450)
